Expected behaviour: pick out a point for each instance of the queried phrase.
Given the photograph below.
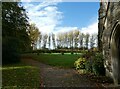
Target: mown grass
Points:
(20, 76)
(56, 59)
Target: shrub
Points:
(88, 54)
(91, 62)
(72, 53)
(98, 64)
(62, 53)
(88, 65)
(80, 63)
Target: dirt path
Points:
(56, 77)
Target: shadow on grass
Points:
(20, 75)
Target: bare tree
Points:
(93, 38)
(71, 39)
(87, 40)
(53, 41)
(40, 39)
(45, 36)
(49, 40)
(81, 40)
(76, 38)
(65, 35)
(59, 40)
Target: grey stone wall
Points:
(109, 16)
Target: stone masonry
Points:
(109, 38)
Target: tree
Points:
(34, 35)
(40, 39)
(49, 40)
(93, 38)
(53, 41)
(65, 39)
(76, 38)
(15, 37)
(81, 40)
(45, 36)
(60, 42)
(87, 40)
(71, 39)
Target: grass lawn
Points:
(56, 59)
(20, 76)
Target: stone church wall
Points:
(109, 16)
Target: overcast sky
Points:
(63, 16)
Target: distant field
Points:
(56, 59)
(19, 76)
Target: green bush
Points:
(62, 53)
(91, 62)
(72, 52)
(88, 65)
(88, 55)
(80, 63)
(98, 64)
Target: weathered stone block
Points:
(109, 38)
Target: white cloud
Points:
(42, 0)
(64, 29)
(47, 18)
(45, 15)
(68, 0)
(91, 29)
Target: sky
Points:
(55, 17)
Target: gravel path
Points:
(57, 77)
